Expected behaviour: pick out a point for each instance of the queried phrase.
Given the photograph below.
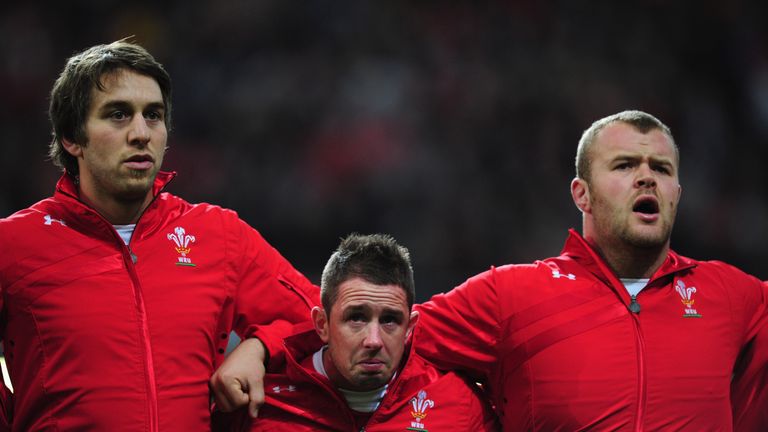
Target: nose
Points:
(138, 135)
(373, 337)
(645, 177)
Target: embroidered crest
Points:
(686, 294)
(420, 405)
(182, 240)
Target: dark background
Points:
(452, 126)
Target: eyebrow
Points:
(366, 308)
(127, 106)
(356, 308)
(634, 157)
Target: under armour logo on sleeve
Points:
(49, 220)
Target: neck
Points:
(332, 373)
(628, 261)
(115, 211)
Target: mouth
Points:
(647, 207)
(372, 365)
(139, 162)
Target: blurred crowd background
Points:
(451, 125)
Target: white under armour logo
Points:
(557, 275)
(49, 220)
(278, 389)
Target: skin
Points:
(365, 332)
(630, 168)
(126, 142)
(239, 381)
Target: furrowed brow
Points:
(393, 312)
(356, 309)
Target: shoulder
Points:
(35, 214)
(168, 203)
(425, 375)
(521, 273)
(444, 400)
(727, 273)
(726, 279)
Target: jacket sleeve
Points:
(6, 405)
(460, 330)
(749, 387)
(480, 409)
(271, 296)
(6, 396)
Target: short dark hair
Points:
(640, 120)
(84, 71)
(376, 258)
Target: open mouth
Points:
(646, 205)
(140, 158)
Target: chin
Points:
(648, 240)
(371, 382)
(134, 192)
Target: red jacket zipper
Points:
(139, 299)
(641, 378)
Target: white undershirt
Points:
(365, 401)
(634, 286)
(125, 232)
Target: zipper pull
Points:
(634, 306)
(134, 258)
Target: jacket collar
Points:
(410, 376)
(86, 219)
(67, 184)
(303, 343)
(578, 249)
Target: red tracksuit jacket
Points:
(103, 337)
(419, 399)
(560, 350)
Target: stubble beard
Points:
(639, 237)
(369, 381)
(641, 240)
(127, 188)
(623, 231)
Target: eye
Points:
(356, 317)
(390, 320)
(118, 115)
(154, 115)
(662, 169)
(621, 166)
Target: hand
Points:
(239, 381)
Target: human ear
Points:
(320, 322)
(580, 194)
(72, 148)
(412, 323)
